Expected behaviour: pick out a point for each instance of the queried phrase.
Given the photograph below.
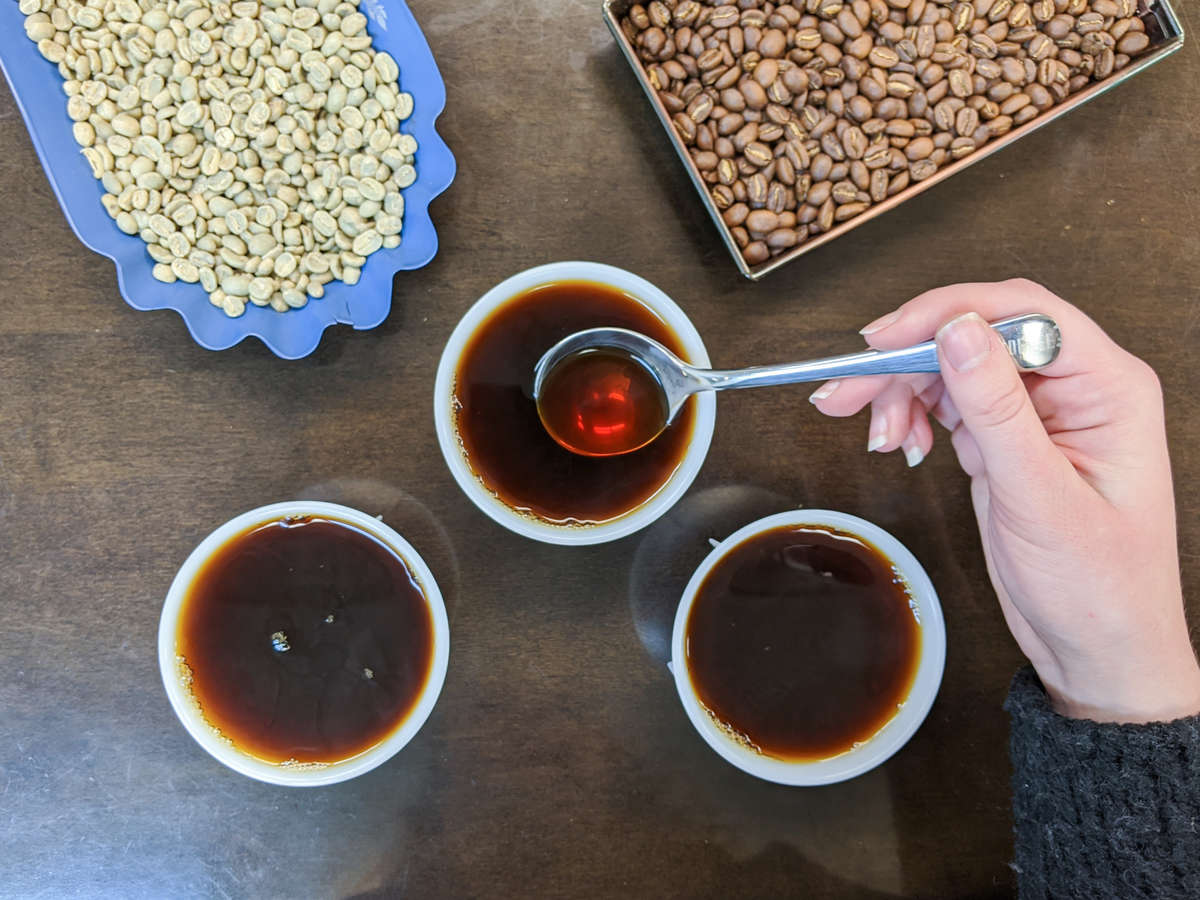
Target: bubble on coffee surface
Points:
(899, 579)
(738, 737)
(297, 766)
(186, 681)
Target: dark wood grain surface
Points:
(558, 761)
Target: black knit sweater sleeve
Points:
(1102, 810)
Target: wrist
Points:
(1167, 693)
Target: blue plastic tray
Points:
(37, 87)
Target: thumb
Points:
(983, 381)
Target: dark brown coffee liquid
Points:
(505, 442)
(802, 642)
(307, 640)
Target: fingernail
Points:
(913, 454)
(878, 434)
(965, 341)
(824, 391)
(881, 323)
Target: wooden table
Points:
(558, 761)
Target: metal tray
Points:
(1166, 36)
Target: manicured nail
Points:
(965, 341)
(824, 391)
(878, 434)
(913, 454)
(881, 323)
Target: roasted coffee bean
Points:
(1070, 58)
(782, 239)
(1000, 125)
(685, 127)
(807, 39)
(860, 174)
(1094, 43)
(922, 169)
(825, 215)
(769, 133)
(854, 142)
(754, 94)
(759, 154)
(1026, 114)
(918, 148)
(1001, 91)
(981, 45)
(1133, 42)
(777, 197)
(756, 252)
(801, 187)
(844, 192)
(832, 146)
(1058, 27)
(962, 16)
(766, 72)
(772, 44)
(879, 185)
(797, 154)
(724, 16)
(778, 115)
(1014, 103)
(822, 165)
(722, 196)
(898, 183)
(733, 100)
(736, 214)
(698, 110)
(877, 155)
(849, 211)
(819, 192)
(823, 127)
(756, 190)
(785, 172)
(744, 136)
(961, 146)
(901, 85)
(762, 221)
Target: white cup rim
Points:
(528, 526)
(896, 732)
(186, 707)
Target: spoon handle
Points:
(1033, 340)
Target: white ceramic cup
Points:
(186, 707)
(530, 526)
(896, 732)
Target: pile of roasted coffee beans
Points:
(801, 115)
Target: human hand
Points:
(1071, 486)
